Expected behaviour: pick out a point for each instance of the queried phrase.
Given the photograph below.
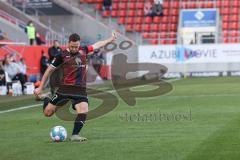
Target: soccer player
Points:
(73, 62)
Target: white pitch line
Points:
(32, 106)
(20, 108)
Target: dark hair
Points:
(22, 59)
(29, 22)
(74, 38)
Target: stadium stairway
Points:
(14, 33)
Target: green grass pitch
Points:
(200, 121)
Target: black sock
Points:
(79, 122)
(45, 102)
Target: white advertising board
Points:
(190, 54)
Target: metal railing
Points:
(51, 34)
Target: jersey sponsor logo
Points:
(78, 61)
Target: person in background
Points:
(43, 63)
(148, 9)
(97, 60)
(31, 33)
(39, 40)
(54, 50)
(14, 72)
(2, 76)
(23, 67)
(1, 35)
(107, 5)
(157, 9)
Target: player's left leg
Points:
(81, 109)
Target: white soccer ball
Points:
(58, 134)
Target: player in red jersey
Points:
(73, 61)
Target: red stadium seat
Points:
(114, 13)
(115, 6)
(146, 28)
(174, 19)
(219, 3)
(163, 41)
(174, 12)
(225, 33)
(98, 1)
(122, 13)
(234, 18)
(132, 5)
(140, 5)
(146, 35)
(234, 34)
(166, 12)
(154, 42)
(138, 20)
(208, 5)
(166, 4)
(129, 28)
(175, 4)
(163, 27)
(148, 20)
(165, 19)
(225, 18)
(154, 27)
(225, 40)
(156, 19)
(131, 13)
(121, 20)
(154, 35)
(173, 27)
(139, 13)
(122, 6)
(234, 11)
(163, 35)
(236, 3)
(225, 26)
(224, 11)
(192, 5)
(106, 13)
(138, 27)
(226, 3)
(99, 6)
(233, 25)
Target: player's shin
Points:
(79, 123)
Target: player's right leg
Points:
(49, 110)
(50, 105)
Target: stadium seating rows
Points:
(163, 30)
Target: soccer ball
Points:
(58, 134)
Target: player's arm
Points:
(47, 73)
(103, 43)
(57, 61)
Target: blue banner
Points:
(199, 18)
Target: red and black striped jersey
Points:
(73, 67)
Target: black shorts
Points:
(60, 100)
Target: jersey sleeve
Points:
(88, 49)
(57, 61)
